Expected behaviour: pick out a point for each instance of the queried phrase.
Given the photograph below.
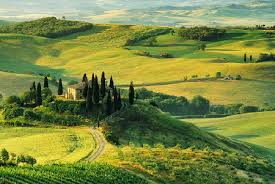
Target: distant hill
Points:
(49, 27)
(153, 12)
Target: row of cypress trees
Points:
(94, 93)
(36, 91)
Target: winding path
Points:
(100, 145)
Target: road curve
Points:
(100, 145)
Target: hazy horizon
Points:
(152, 12)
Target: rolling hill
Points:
(167, 150)
(255, 128)
(103, 49)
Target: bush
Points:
(239, 77)
(166, 55)
(31, 115)
(46, 93)
(13, 100)
(12, 111)
(247, 109)
(218, 75)
(266, 57)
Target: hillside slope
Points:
(144, 124)
(255, 128)
(170, 151)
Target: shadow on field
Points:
(244, 136)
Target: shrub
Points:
(247, 109)
(31, 115)
(218, 75)
(266, 57)
(12, 111)
(13, 100)
(239, 77)
(46, 93)
(166, 55)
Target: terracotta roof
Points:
(77, 86)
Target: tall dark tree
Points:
(60, 87)
(245, 58)
(89, 99)
(115, 94)
(92, 82)
(103, 85)
(119, 102)
(85, 90)
(33, 92)
(38, 100)
(111, 85)
(85, 78)
(33, 87)
(96, 91)
(251, 58)
(109, 106)
(131, 93)
(46, 82)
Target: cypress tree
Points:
(111, 85)
(85, 78)
(85, 90)
(33, 92)
(245, 57)
(115, 94)
(96, 91)
(109, 104)
(92, 82)
(131, 93)
(103, 86)
(33, 86)
(119, 102)
(60, 87)
(46, 82)
(89, 99)
(38, 100)
(251, 58)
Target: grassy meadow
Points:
(102, 48)
(48, 145)
(255, 128)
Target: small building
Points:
(228, 78)
(75, 91)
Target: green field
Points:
(254, 128)
(48, 145)
(102, 49)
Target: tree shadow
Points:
(244, 136)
